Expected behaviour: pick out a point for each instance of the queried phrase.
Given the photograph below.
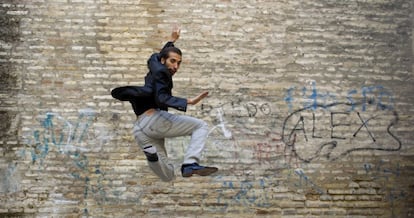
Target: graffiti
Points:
(270, 150)
(321, 128)
(340, 127)
(369, 95)
(383, 173)
(238, 109)
(100, 187)
(244, 193)
(71, 140)
(253, 109)
(58, 132)
(306, 181)
(323, 125)
(9, 179)
(222, 125)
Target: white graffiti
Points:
(222, 125)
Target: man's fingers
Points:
(177, 29)
(203, 95)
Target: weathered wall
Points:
(310, 107)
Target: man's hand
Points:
(197, 99)
(175, 33)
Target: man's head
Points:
(171, 58)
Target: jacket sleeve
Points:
(127, 93)
(168, 44)
(154, 63)
(162, 90)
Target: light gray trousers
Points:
(151, 130)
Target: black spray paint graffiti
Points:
(238, 109)
(301, 135)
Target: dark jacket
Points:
(156, 93)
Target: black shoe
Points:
(188, 170)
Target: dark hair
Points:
(165, 52)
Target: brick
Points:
(262, 63)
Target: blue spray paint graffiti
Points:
(322, 108)
(9, 179)
(58, 132)
(71, 140)
(382, 173)
(369, 95)
(305, 181)
(246, 193)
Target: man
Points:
(154, 123)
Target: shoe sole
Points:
(202, 172)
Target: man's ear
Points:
(162, 60)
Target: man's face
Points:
(172, 62)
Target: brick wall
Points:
(310, 108)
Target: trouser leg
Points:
(152, 130)
(163, 168)
(181, 125)
(197, 143)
